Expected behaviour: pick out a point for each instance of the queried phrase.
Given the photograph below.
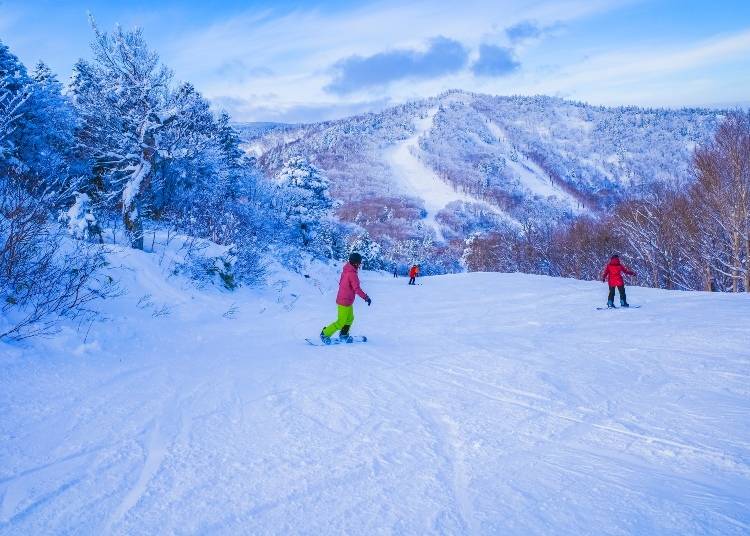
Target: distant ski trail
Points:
(419, 180)
(531, 177)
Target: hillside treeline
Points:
(124, 156)
(691, 237)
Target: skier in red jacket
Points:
(613, 274)
(413, 273)
(348, 289)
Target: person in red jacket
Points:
(348, 289)
(613, 275)
(413, 273)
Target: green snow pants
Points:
(345, 318)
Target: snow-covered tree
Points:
(190, 166)
(37, 145)
(722, 194)
(80, 220)
(15, 91)
(47, 145)
(304, 198)
(123, 97)
(372, 254)
(469, 261)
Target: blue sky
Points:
(307, 61)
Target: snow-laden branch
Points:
(11, 105)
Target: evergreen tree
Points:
(229, 141)
(305, 199)
(190, 162)
(49, 142)
(36, 127)
(15, 91)
(372, 257)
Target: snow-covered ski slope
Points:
(481, 404)
(531, 176)
(418, 180)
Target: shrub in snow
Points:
(331, 239)
(43, 276)
(249, 267)
(235, 267)
(80, 220)
(207, 270)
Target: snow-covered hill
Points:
(511, 157)
(483, 404)
(416, 179)
(254, 133)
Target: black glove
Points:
(368, 300)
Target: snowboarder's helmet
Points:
(355, 258)
(615, 256)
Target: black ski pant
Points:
(621, 288)
(412, 280)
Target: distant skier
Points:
(395, 271)
(613, 274)
(348, 288)
(413, 273)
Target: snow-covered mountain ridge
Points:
(483, 403)
(494, 158)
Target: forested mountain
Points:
(454, 164)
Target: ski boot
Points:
(623, 303)
(610, 304)
(344, 335)
(324, 338)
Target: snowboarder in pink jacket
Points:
(348, 289)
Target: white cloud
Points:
(659, 60)
(657, 74)
(301, 46)
(253, 109)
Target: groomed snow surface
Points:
(483, 404)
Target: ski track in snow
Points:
(532, 177)
(482, 404)
(417, 179)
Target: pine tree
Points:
(229, 141)
(36, 126)
(372, 254)
(15, 91)
(190, 162)
(49, 145)
(304, 197)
